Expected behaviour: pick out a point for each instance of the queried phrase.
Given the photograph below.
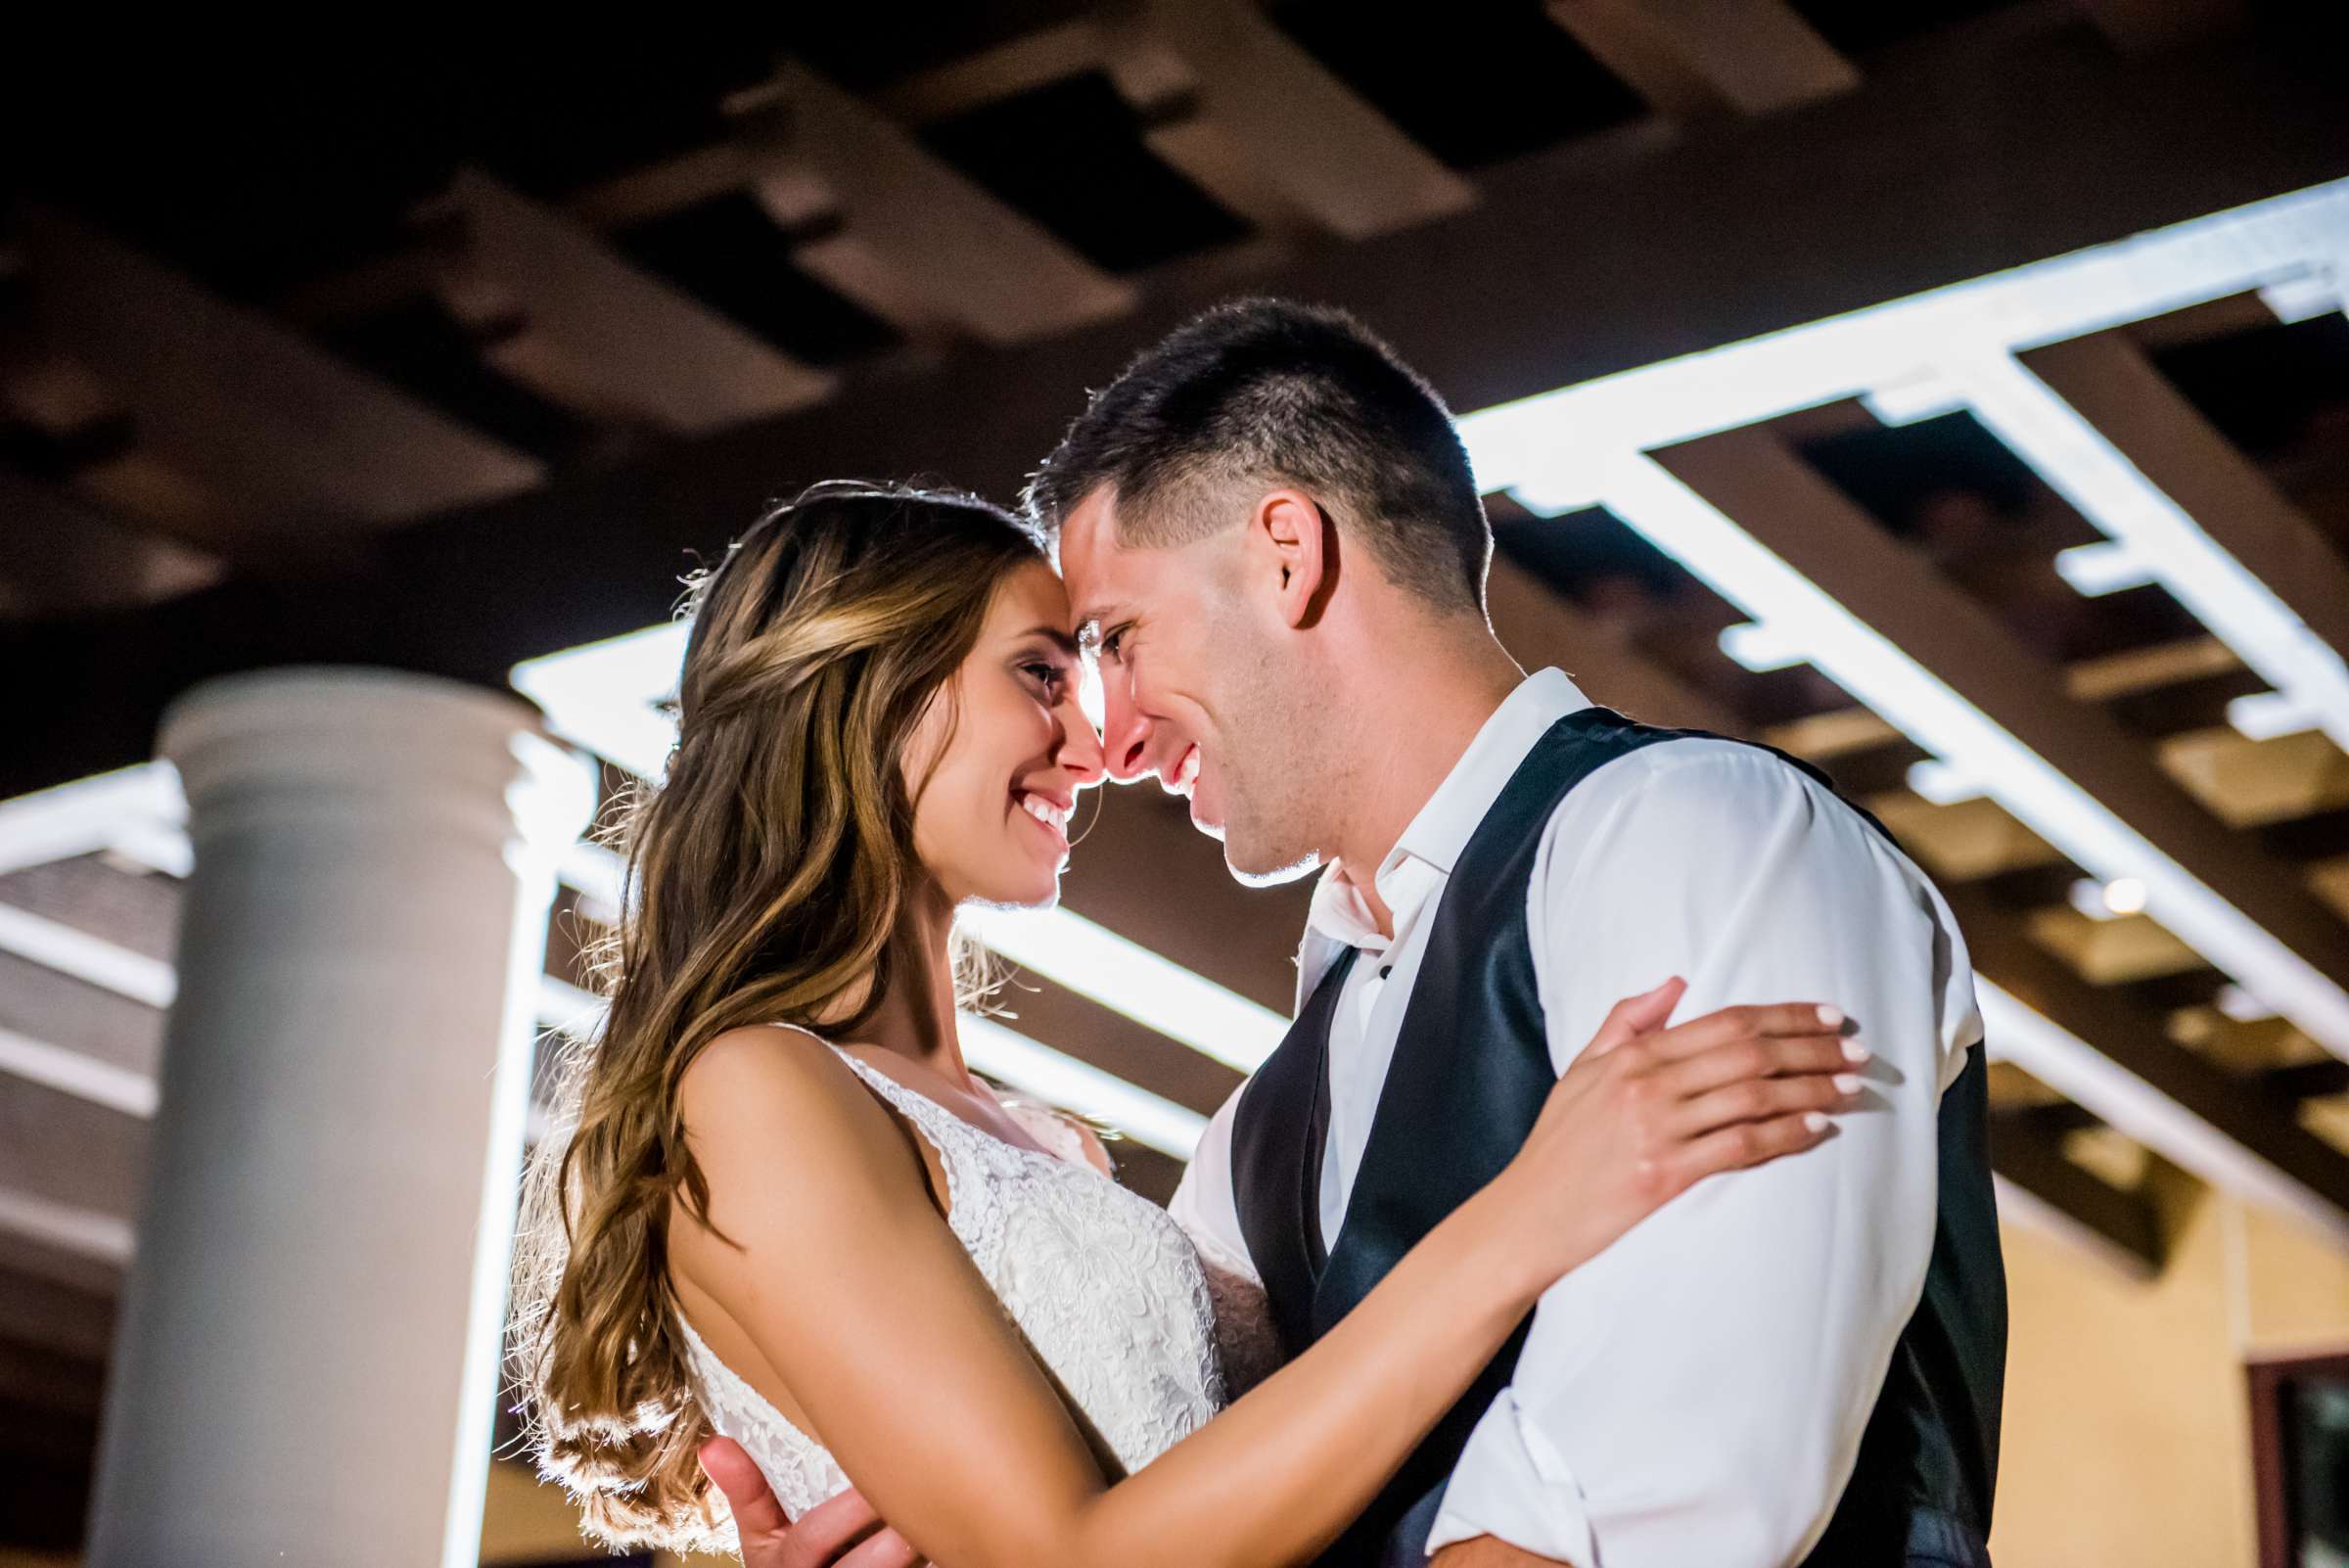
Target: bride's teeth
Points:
(1043, 811)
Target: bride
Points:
(787, 1212)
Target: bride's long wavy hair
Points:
(766, 877)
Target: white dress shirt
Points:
(1696, 1392)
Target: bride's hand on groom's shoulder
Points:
(842, 1532)
(1650, 1109)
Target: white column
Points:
(305, 1369)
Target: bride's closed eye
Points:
(1050, 675)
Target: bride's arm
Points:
(854, 1288)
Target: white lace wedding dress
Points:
(1106, 1288)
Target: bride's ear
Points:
(1291, 545)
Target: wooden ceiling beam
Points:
(286, 433)
(884, 222)
(659, 189)
(2249, 783)
(1752, 475)
(136, 911)
(2040, 1187)
(1009, 69)
(56, 1318)
(2307, 1081)
(1690, 58)
(1257, 123)
(2100, 679)
(60, 555)
(60, 1386)
(74, 1157)
(76, 1233)
(1540, 627)
(1524, 293)
(564, 315)
(2215, 1124)
(2139, 26)
(50, 1021)
(2109, 379)
(97, 1273)
(94, 451)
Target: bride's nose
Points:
(1079, 747)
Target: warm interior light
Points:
(2125, 896)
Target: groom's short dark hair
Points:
(1270, 389)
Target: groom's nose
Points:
(1124, 734)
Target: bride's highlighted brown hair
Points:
(766, 877)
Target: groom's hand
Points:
(841, 1532)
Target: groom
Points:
(1274, 545)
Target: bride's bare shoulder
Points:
(766, 1079)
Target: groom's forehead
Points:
(1087, 547)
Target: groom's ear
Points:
(1289, 535)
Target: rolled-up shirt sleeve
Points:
(1696, 1394)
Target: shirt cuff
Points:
(1514, 1485)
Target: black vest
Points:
(1470, 1073)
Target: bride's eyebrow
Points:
(1057, 636)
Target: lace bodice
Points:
(1102, 1283)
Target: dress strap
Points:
(950, 1134)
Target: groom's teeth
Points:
(1186, 771)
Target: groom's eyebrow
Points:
(1089, 624)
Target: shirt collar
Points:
(1443, 825)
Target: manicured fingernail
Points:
(1829, 1017)
(1814, 1121)
(1848, 1082)
(1854, 1051)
